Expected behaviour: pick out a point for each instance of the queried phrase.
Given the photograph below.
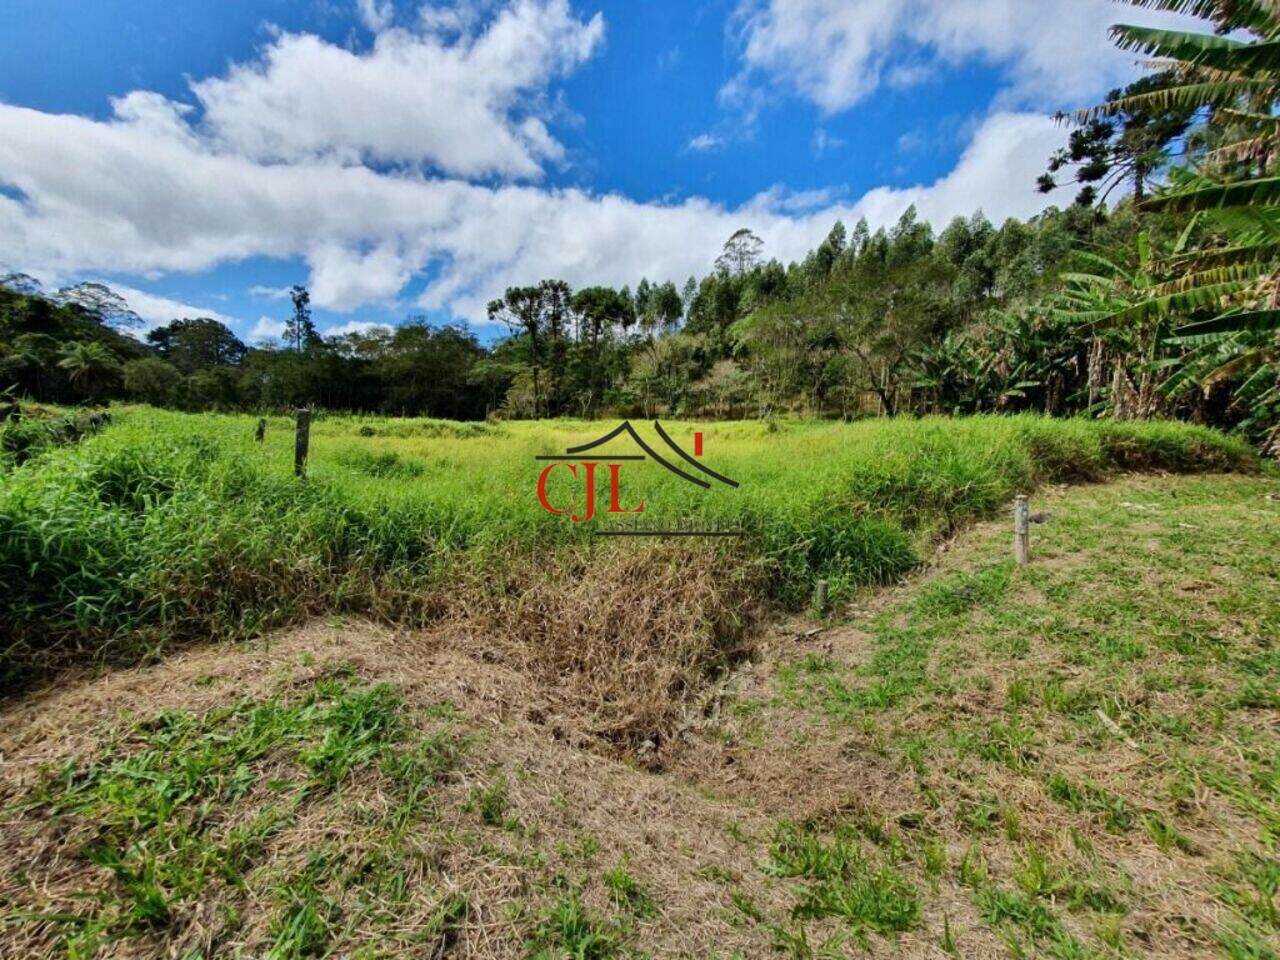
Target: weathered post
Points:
(1021, 531)
(302, 442)
(261, 432)
(822, 598)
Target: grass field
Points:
(1077, 759)
(172, 527)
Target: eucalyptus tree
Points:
(602, 313)
(299, 331)
(742, 251)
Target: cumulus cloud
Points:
(463, 102)
(375, 14)
(131, 195)
(156, 311)
(454, 16)
(995, 174)
(836, 53)
(266, 329)
(780, 199)
(353, 326)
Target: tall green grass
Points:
(170, 526)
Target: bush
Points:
(151, 380)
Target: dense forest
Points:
(1163, 302)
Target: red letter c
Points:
(542, 487)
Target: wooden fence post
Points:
(1021, 531)
(261, 432)
(822, 598)
(302, 442)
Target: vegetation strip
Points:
(170, 527)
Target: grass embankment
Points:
(172, 527)
(1072, 760)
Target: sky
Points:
(405, 159)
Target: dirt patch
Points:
(569, 815)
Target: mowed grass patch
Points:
(1092, 737)
(191, 830)
(170, 527)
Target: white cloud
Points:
(704, 142)
(345, 278)
(824, 141)
(353, 326)
(270, 293)
(780, 199)
(837, 52)
(454, 16)
(996, 173)
(133, 196)
(266, 329)
(375, 14)
(465, 103)
(272, 168)
(156, 311)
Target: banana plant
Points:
(1220, 284)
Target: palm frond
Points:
(1104, 265)
(1221, 258)
(1212, 276)
(1183, 46)
(1261, 382)
(1264, 191)
(1270, 124)
(1256, 321)
(1234, 368)
(1241, 150)
(1259, 17)
(1210, 296)
(1261, 57)
(1190, 96)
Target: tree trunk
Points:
(1096, 374)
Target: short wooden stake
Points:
(822, 598)
(302, 442)
(1021, 531)
(261, 432)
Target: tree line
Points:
(752, 337)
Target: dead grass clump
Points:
(621, 636)
(516, 835)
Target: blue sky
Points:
(408, 158)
